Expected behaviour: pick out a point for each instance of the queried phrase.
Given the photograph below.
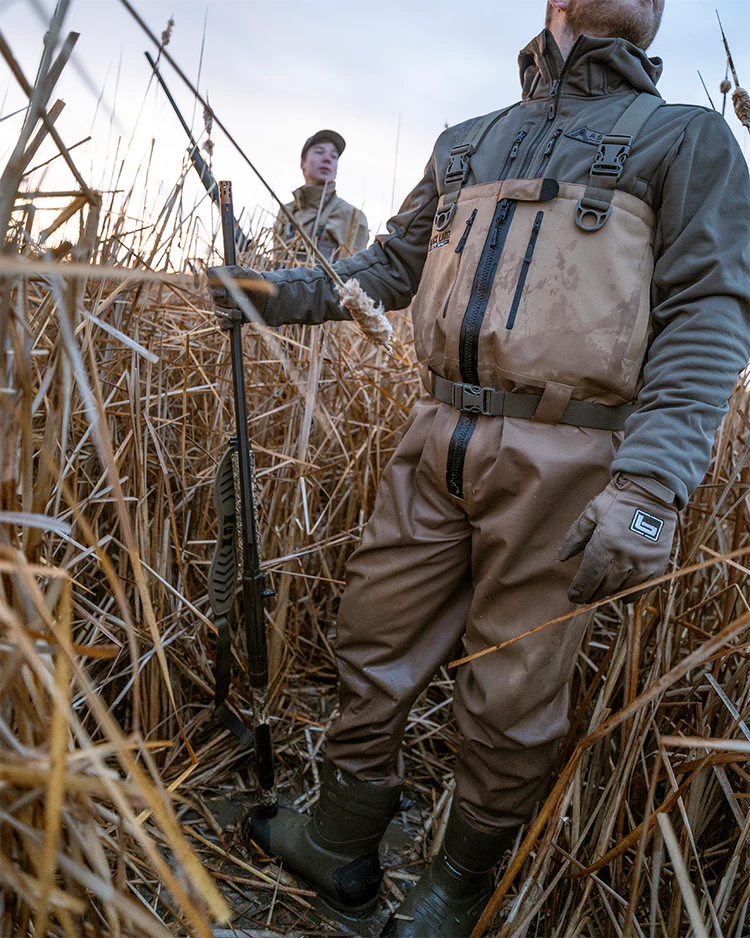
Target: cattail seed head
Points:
(167, 34)
(725, 86)
(741, 101)
(208, 120)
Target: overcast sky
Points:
(278, 70)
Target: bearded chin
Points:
(607, 18)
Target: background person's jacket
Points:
(337, 228)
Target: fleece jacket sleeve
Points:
(700, 309)
(389, 271)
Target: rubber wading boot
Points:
(335, 850)
(455, 888)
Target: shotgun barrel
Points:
(248, 569)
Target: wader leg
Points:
(529, 483)
(405, 604)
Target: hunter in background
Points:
(337, 228)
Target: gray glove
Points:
(248, 281)
(626, 536)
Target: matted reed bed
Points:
(119, 792)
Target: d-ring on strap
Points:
(595, 206)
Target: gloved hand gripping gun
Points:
(237, 557)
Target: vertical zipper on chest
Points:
(459, 250)
(553, 92)
(547, 155)
(526, 264)
(512, 154)
(551, 114)
(481, 289)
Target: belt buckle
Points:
(472, 398)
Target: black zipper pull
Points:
(553, 100)
(517, 143)
(495, 229)
(552, 141)
(532, 239)
(499, 222)
(469, 222)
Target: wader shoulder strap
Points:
(324, 217)
(595, 207)
(459, 162)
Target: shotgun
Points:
(236, 558)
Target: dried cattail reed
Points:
(167, 32)
(741, 102)
(369, 316)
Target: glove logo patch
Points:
(646, 525)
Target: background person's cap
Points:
(327, 136)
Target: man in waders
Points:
(337, 228)
(579, 270)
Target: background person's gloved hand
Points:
(248, 281)
(626, 536)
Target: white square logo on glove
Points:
(646, 525)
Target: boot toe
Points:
(277, 836)
(431, 911)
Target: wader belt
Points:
(493, 403)
(595, 206)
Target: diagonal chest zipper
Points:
(513, 153)
(547, 155)
(481, 289)
(526, 264)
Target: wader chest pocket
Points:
(546, 302)
(459, 250)
(525, 264)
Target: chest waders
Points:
(314, 222)
(535, 296)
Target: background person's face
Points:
(320, 164)
(637, 21)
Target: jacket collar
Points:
(309, 196)
(594, 67)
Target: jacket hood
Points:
(595, 66)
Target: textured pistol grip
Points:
(222, 574)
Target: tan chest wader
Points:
(539, 287)
(532, 318)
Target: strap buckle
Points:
(458, 165)
(472, 398)
(592, 214)
(611, 155)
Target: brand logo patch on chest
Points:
(439, 240)
(586, 136)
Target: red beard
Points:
(635, 20)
